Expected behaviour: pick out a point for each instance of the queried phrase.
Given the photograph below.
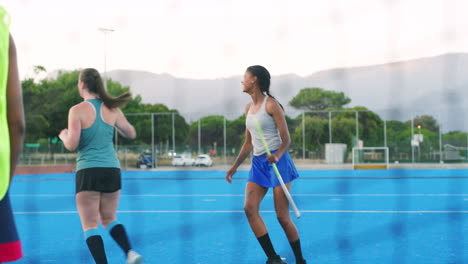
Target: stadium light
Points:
(105, 31)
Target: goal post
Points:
(370, 158)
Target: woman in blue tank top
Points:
(90, 131)
(270, 114)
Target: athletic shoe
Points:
(276, 260)
(134, 258)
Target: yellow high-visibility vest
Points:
(4, 132)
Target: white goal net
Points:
(370, 158)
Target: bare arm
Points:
(123, 126)
(275, 110)
(15, 112)
(244, 152)
(71, 136)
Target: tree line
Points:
(47, 102)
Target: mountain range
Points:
(396, 91)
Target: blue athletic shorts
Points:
(262, 172)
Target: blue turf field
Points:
(374, 216)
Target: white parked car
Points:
(181, 160)
(204, 160)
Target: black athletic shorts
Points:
(106, 180)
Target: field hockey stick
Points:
(278, 175)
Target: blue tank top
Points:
(96, 149)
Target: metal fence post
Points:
(357, 128)
(440, 138)
(199, 136)
(303, 135)
(173, 133)
(329, 127)
(412, 137)
(224, 138)
(152, 141)
(385, 132)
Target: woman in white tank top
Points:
(270, 114)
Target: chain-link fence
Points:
(419, 138)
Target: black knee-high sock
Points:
(296, 247)
(118, 233)
(267, 246)
(96, 246)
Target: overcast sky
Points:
(220, 38)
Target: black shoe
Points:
(303, 261)
(276, 260)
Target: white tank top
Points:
(269, 129)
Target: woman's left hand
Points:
(272, 158)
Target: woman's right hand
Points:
(230, 173)
(63, 134)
